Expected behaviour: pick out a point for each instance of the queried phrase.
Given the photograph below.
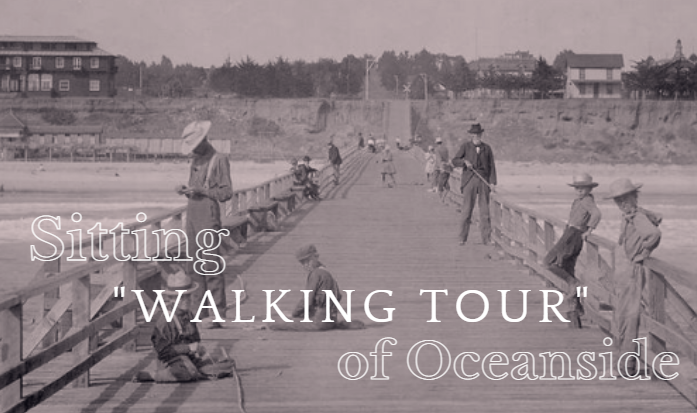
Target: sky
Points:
(207, 32)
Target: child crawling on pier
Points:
(180, 355)
(318, 280)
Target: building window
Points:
(46, 82)
(609, 89)
(609, 74)
(581, 89)
(5, 84)
(77, 63)
(94, 62)
(17, 61)
(94, 85)
(60, 63)
(582, 74)
(64, 85)
(33, 84)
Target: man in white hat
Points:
(209, 184)
(639, 235)
(478, 178)
(561, 259)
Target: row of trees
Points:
(674, 79)
(297, 79)
(429, 72)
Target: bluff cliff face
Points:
(608, 131)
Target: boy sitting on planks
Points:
(318, 280)
(178, 343)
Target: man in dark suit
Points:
(478, 178)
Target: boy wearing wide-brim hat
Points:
(639, 235)
(209, 184)
(177, 343)
(319, 280)
(561, 259)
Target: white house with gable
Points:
(594, 76)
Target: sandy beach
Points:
(114, 192)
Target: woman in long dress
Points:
(430, 167)
(388, 167)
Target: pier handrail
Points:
(20, 355)
(669, 320)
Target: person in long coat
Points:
(209, 184)
(388, 167)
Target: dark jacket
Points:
(483, 162)
(334, 156)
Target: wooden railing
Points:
(74, 315)
(669, 322)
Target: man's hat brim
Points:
(193, 135)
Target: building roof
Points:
(43, 39)
(503, 64)
(95, 52)
(595, 61)
(63, 129)
(9, 121)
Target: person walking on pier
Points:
(639, 235)
(335, 160)
(361, 142)
(478, 179)
(209, 184)
(319, 280)
(442, 158)
(430, 157)
(388, 167)
(561, 259)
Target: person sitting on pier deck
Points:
(371, 143)
(209, 184)
(318, 280)
(178, 343)
(302, 177)
(561, 259)
(639, 235)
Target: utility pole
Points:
(369, 63)
(425, 78)
(396, 85)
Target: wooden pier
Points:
(370, 237)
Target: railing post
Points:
(81, 319)
(549, 236)
(11, 353)
(532, 241)
(130, 274)
(65, 322)
(656, 308)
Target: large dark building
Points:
(55, 66)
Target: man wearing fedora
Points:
(334, 160)
(319, 280)
(209, 184)
(478, 178)
(561, 259)
(639, 235)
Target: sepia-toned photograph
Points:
(348, 206)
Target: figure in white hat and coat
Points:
(209, 184)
